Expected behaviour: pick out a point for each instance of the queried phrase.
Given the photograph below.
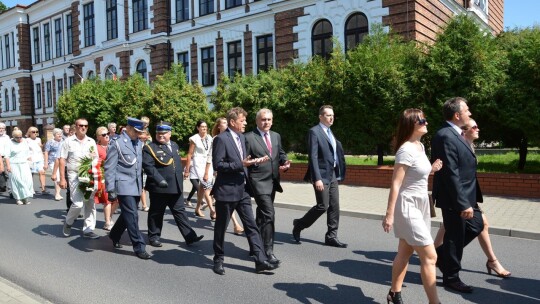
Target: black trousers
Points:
(459, 233)
(224, 211)
(327, 201)
(265, 219)
(3, 181)
(69, 202)
(175, 202)
(129, 219)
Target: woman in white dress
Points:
(18, 167)
(199, 145)
(408, 206)
(36, 150)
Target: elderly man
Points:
(123, 181)
(230, 160)
(74, 149)
(4, 142)
(163, 167)
(264, 178)
(65, 131)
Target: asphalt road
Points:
(36, 256)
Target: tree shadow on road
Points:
(313, 292)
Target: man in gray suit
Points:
(123, 181)
(264, 178)
(326, 166)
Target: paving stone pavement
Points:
(508, 216)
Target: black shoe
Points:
(3, 189)
(143, 255)
(459, 286)
(296, 231)
(218, 268)
(116, 244)
(195, 240)
(335, 243)
(156, 243)
(394, 297)
(273, 260)
(265, 266)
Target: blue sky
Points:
(517, 13)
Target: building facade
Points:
(49, 46)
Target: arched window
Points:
(356, 28)
(321, 39)
(141, 69)
(6, 99)
(90, 75)
(110, 72)
(13, 100)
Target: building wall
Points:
(289, 22)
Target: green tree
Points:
(464, 61)
(3, 7)
(178, 102)
(518, 106)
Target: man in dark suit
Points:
(326, 167)
(230, 160)
(264, 178)
(123, 181)
(455, 191)
(163, 168)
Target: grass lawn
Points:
(500, 163)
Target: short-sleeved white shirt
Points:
(73, 150)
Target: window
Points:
(58, 37)
(110, 72)
(356, 28)
(141, 69)
(206, 7)
(140, 12)
(69, 33)
(71, 81)
(38, 96)
(207, 55)
(183, 59)
(232, 3)
(6, 100)
(49, 94)
(47, 41)
(89, 25)
(112, 19)
(59, 87)
(37, 58)
(1, 58)
(13, 100)
(8, 52)
(90, 75)
(182, 10)
(321, 39)
(265, 53)
(234, 57)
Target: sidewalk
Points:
(515, 217)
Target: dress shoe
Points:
(296, 231)
(218, 268)
(459, 286)
(195, 240)
(156, 243)
(143, 255)
(335, 243)
(265, 266)
(117, 245)
(273, 260)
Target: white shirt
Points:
(4, 143)
(73, 150)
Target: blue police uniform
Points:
(123, 179)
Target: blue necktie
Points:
(333, 142)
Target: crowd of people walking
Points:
(228, 167)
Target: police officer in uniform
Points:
(163, 167)
(123, 181)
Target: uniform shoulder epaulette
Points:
(170, 162)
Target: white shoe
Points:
(19, 202)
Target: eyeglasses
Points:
(422, 121)
(82, 126)
(105, 134)
(475, 127)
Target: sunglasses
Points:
(17, 137)
(34, 132)
(475, 127)
(422, 121)
(82, 126)
(105, 134)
